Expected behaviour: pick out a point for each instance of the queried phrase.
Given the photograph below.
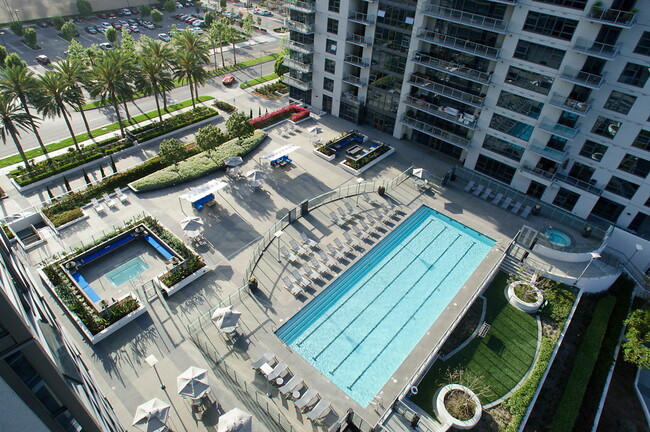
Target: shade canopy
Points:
(226, 319)
(205, 189)
(235, 420)
(421, 173)
(282, 151)
(151, 416)
(233, 161)
(193, 383)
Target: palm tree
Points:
(153, 78)
(12, 119)
(155, 49)
(187, 68)
(20, 82)
(232, 35)
(217, 35)
(109, 83)
(192, 55)
(75, 73)
(52, 95)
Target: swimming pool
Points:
(127, 271)
(361, 328)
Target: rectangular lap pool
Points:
(361, 328)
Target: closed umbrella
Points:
(226, 319)
(233, 161)
(193, 383)
(151, 416)
(235, 420)
(421, 173)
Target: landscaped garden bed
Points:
(331, 148)
(272, 91)
(224, 106)
(291, 112)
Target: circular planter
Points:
(443, 415)
(521, 304)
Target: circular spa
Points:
(557, 238)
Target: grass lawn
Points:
(503, 357)
(14, 159)
(257, 81)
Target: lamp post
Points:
(638, 248)
(153, 361)
(277, 235)
(359, 181)
(594, 255)
(2, 35)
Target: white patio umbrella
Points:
(235, 420)
(192, 226)
(193, 383)
(233, 161)
(421, 173)
(151, 416)
(226, 319)
(255, 175)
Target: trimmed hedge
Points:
(584, 363)
(224, 106)
(369, 157)
(198, 165)
(292, 112)
(181, 120)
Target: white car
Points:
(149, 26)
(106, 46)
(178, 5)
(164, 37)
(197, 30)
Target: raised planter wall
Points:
(519, 303)
(443, 415)
(368, 165)
(555, 254)
(183, 283)
(324, 156)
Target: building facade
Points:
(547, 96)
(44, 384)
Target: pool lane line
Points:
(378, 322)
(360, 287)
(408, 320)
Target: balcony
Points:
(596, 49)
(462, 45)
(449, 114)
(295, 82)
(441, 134)
(465, 18)
(300, 47)
(558, 129)
(586, 79)
(300, 6)
(350, 98)
(506, 2)
(299, 27)
(549, 153)
(537, 173)
(570, 105)
(357, 61)
(297, 65)
(455, 69)
(589, 186)
(354, 80)
(361, 18)
(452, 93)
(612, 17)
(359, 40)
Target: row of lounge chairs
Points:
(506, 203)
(304, 397)
(110, 202)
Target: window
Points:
(529, 80)
(550, 25)
(620, 102)
(634, 75)
(573, 4)
(330, 46)
(540, 54)
(504, 148)
(606, 127)
(332, 26)
(495, 169)
(334, 6)
(536, 190)
(330, 66)
(642, 140)
(593, 150)
(643, 47)
(566, 199)
(328, 84)
(635, 165)
(607, 209)
(520, 104)
(621, 187)
(511, 127)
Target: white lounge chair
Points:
(293, 287)
(478, 190)
(338, 245)
(516, 208)
(352, 242)
(319, 267)
(367, 198)
(268, 357)
(121, 195)
(363, 235)
(497, 199)
(302, 281)
(288, 255)
(337, 220)
(367, 228)
(396, 208)
(338, 255)
(373, 222)
(306, 241)
(351, 210)
(295, 247)
(97, 206)
(291, 385)
(307, 399)
(526, 211)
(344, 215)
(383, 217)
(390, 212)
(278, 371)
(319, 411)
(506, 203)
(469, 186)
(109, 201)
(309, 273)
(486, 194)
(325, 259)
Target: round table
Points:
(279, 381)
(295, 394)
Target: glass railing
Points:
(300, 47)
(569, 104)
(580, 184)
(612, 16)
(458, 44)
(357, 61)
(299, 27)
(446, 113)
(359, 40)
(537, 172)
(354, 80)
(298, 65)
(583, 78)
(558, 129)
(300, 6)
(467, 18)
(456, 69)
(547, 152)
(596, 49)
(450, 92)
(442, 134)
(295, 82)
(361, 17)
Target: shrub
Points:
(292, 112)
(69, 30)
(369, 157)
(224, 106)
(17, 27)
(30, 38)
(271, 90)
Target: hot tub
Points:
(557, 238)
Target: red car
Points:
(228, 80)
(42, 59)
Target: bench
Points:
(93, 256)
(485, 328)
(160, 248)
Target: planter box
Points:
(68, 224)
(368, 165)
(183, 283)
(324, 156)
(443, 415)
(521, 304)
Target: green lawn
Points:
(257, 81)
(502, 357)
(14, 159)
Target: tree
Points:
(223, 4)
(164, 54)
(247, 24)
(30, 38)
(111, 34)
(169, 6)
(153, 78)
(209, 18)
(191, 57)
(3, 55)
(58, 22)
(172, 151)
(109, 82)
(217, 35)
(127, 44)
(238, 126)
(279, 68)
(14, 59)
(16, 27)
(69, 30)
(75, 74)
(209, 138)
(76, 51)
(232, 36)
(52, 95)
(156, 16)
(20, 83)
(637, 347)
(85, 9)
(145, 10)
(12, 119)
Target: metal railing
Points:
(458, 44)
(437, 111)
(442, 134)
(456, 69)
(596, 49)
(581, 184)
(466, 18)
(450, 92)
(612, 16)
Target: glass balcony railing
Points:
(300, 6)
(613, 17)
(462, 45)
(583, 78)
(359, 40)
(297, 65)
(547, 152)
(450, 92)
(350, 98)
(295, 82)
(465, 18)
(299, 27)
(455, 69)
(361, 18)
(449, 114)
(357, 61)
(300, 47)
(596, 49)
(569, 104)
(558, 129)
(507, 2)
(537, 172)
(441, 134)
(354, 80)
(589, 186)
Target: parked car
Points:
(42, 24)
(135, 29)
(178, 5)
(228, 80)
(91, 30)
(149, 26)
(106, 46)
(126, 12)
(164, 37)
(43, 59)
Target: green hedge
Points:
(153, 130)
(584, 362)
(224, 106)
(257, 81)
(369, 157)
(198, 165)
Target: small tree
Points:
(169, 6)
(279, 68)
(209, 138)
(238, 126)
(145, 10)
(16, 27)
(458, 403)
(3, 55)
(84, 7)
(209, 18)
(30, 38)
(172, 151)
(636, 349)
(69, 30)
(111, 34)
(156, 16)
(14, 59)
(223, 4)
(58, 22)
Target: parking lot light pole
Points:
(2, 35)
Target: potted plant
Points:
(536, 209)
(252, 284)
(586, 232)
(458, 403)
(381, 190)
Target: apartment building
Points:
(547, 96)
(44, 384)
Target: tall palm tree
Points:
(232, 35)
(161, 52)
(153, 78)
(217, 35)
(52, 95)
(188, 68)
(109, 83)
(20, 82)
(196, 46)
(75, 74)
(12, 119)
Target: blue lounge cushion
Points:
(85, 287)
(160, 248)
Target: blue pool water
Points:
(127, 271)
(361, 328)
(557, 238)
